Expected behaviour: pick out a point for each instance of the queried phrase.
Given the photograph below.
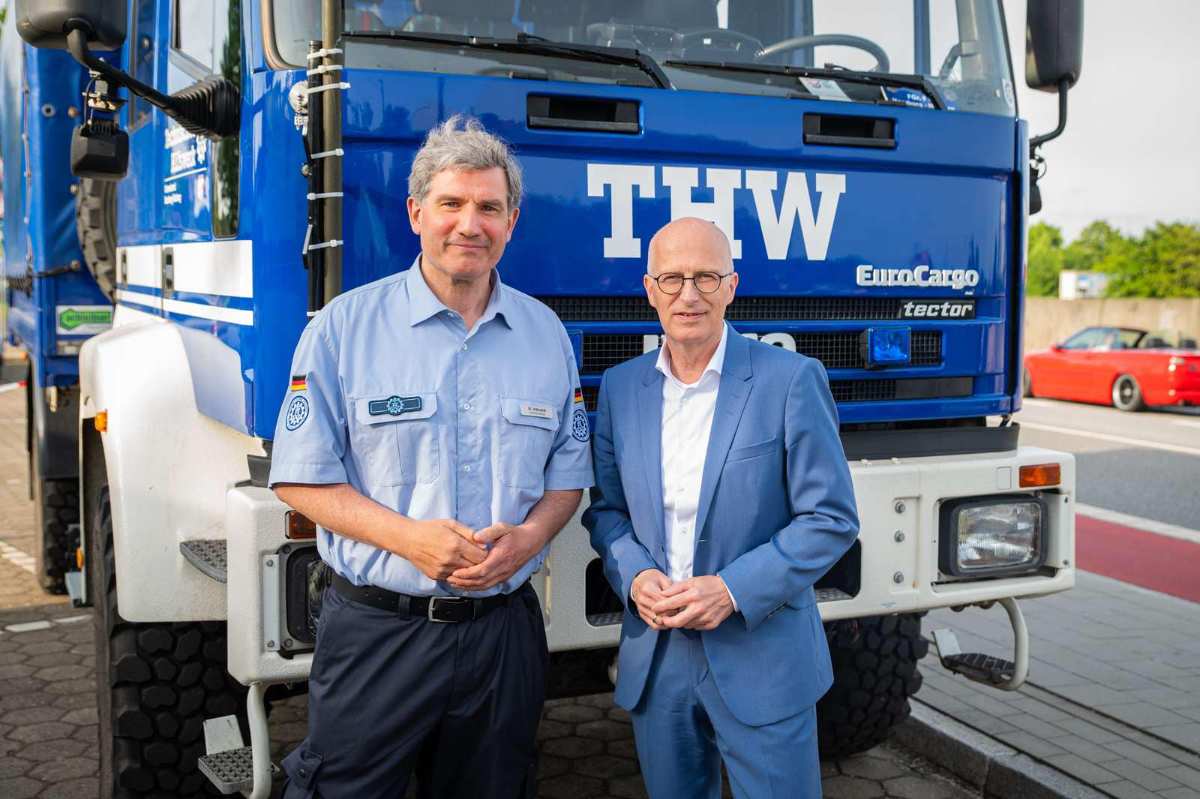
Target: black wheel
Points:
(874, 675)
(1026, 384)
(155, 685)
(55, 511)
(96, 225)
(1127, 394)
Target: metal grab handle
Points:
(260, 740)
(1020, 645)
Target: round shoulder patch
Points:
(579, 425)
(297, 413)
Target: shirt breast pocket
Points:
(395, 439)
(526, 434)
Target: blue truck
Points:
(187, 181)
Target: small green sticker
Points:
(84, 319)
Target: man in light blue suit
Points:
(722, 494)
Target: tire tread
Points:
(874, 675)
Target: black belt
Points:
(442, 609)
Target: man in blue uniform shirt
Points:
(435, 432)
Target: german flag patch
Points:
(578, 395)
(299, 382)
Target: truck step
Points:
(207, 555)
(980, 667)
(231, 771)
(972, 665)
(831, 595)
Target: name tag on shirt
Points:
(537, 411)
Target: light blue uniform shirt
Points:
(392, 394)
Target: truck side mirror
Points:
(46, 23)
(1053, 62)
(99, 148)
(1053, 43)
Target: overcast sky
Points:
(1131, 150)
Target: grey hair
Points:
(462, 143)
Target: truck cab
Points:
(866, 161)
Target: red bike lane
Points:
(1150, 560)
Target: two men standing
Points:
(435, 431)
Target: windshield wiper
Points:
(526, 43)
(918, 82)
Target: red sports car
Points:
(1127, 368)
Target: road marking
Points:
(28, 626)
(1138, 523)
(16, 556)
(1185, 423)
(45, 624)
(7, 387)
(1135, 442)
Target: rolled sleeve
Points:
(310, 436)
(570, 463)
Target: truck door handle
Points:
(849, 131)
(558, 112)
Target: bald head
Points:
(692, 256)
(689, 240)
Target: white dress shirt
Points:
(687, 419)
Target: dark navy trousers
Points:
(391, 696)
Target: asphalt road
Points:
(1144, 464)
(1138, 517)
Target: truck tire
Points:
(874, 675)
(55, 510)
(96, 225)
(156, 683)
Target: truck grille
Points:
(835, 350)
(742, 309)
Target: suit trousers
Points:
(683, 730)
(392, 695)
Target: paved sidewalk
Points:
(1113, 697)
(48, 730)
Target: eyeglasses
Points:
(705, 282)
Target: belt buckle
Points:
(450, 601)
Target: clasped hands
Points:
(469, 560)
(697, 603)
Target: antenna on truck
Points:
(323, 243)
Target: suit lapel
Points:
(736, 382)
(649, 414)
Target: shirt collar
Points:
(423, 304)
(715, 363)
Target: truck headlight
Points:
(992, 536)
(305, 577)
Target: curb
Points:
(995, 768)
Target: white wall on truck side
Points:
(168, 465)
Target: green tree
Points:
(1164, 262)
(1094, 244)
(1045, 260)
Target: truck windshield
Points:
(952, 51)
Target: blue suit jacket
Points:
(776, 512)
